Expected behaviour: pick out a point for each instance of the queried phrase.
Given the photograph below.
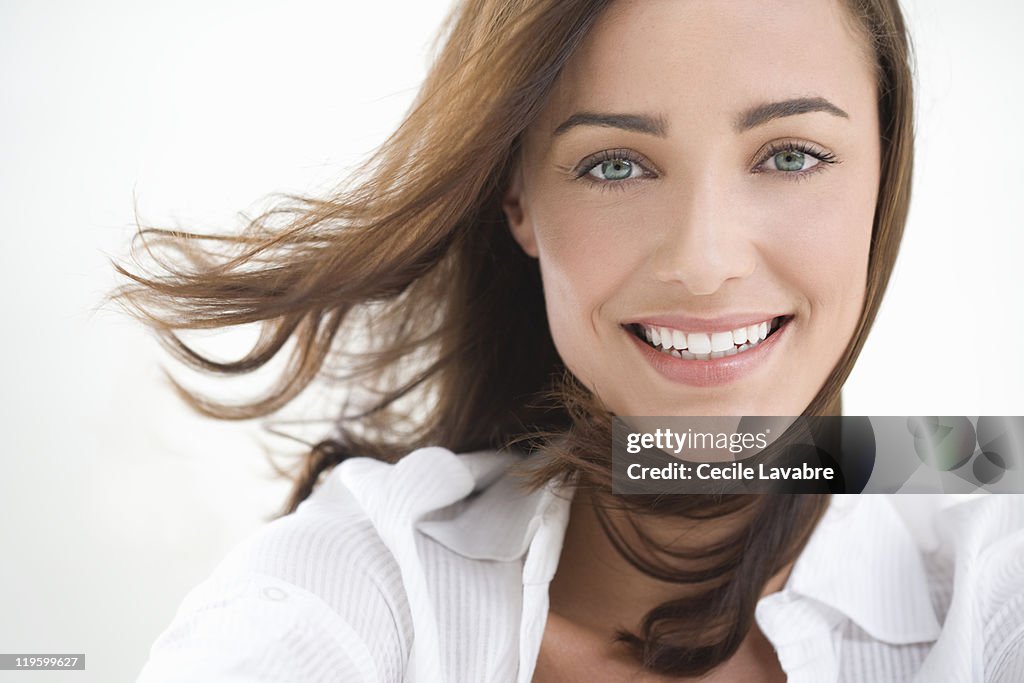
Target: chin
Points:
(722, 406)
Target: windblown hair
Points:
(408, 285)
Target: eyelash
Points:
(823, 156)
(582, 171)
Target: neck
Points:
(590, 566)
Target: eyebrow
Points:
(655, 125)
(769, 111)
(637, 123)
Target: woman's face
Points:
(704, 173)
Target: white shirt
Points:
(436, 570)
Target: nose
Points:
(707, 237)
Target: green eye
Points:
(794, 159)
(789, 161)
(613, 169)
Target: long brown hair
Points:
(406, 285)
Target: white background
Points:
(115, 500)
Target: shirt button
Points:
(274, 593)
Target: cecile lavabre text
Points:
(728, 470)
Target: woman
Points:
(577, 183)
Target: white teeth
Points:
(678, 339)
(666, 338)
(703, 345)
(698, 342)
(721, 341)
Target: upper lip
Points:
(686, 323)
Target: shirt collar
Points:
(861, 559)
(501, 520)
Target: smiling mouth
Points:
(704, 346)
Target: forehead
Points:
(703, 61)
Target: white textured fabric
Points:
(436, 570)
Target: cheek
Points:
(824, 255)
(827, 253)
(588, 252)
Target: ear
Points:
(517, 215)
